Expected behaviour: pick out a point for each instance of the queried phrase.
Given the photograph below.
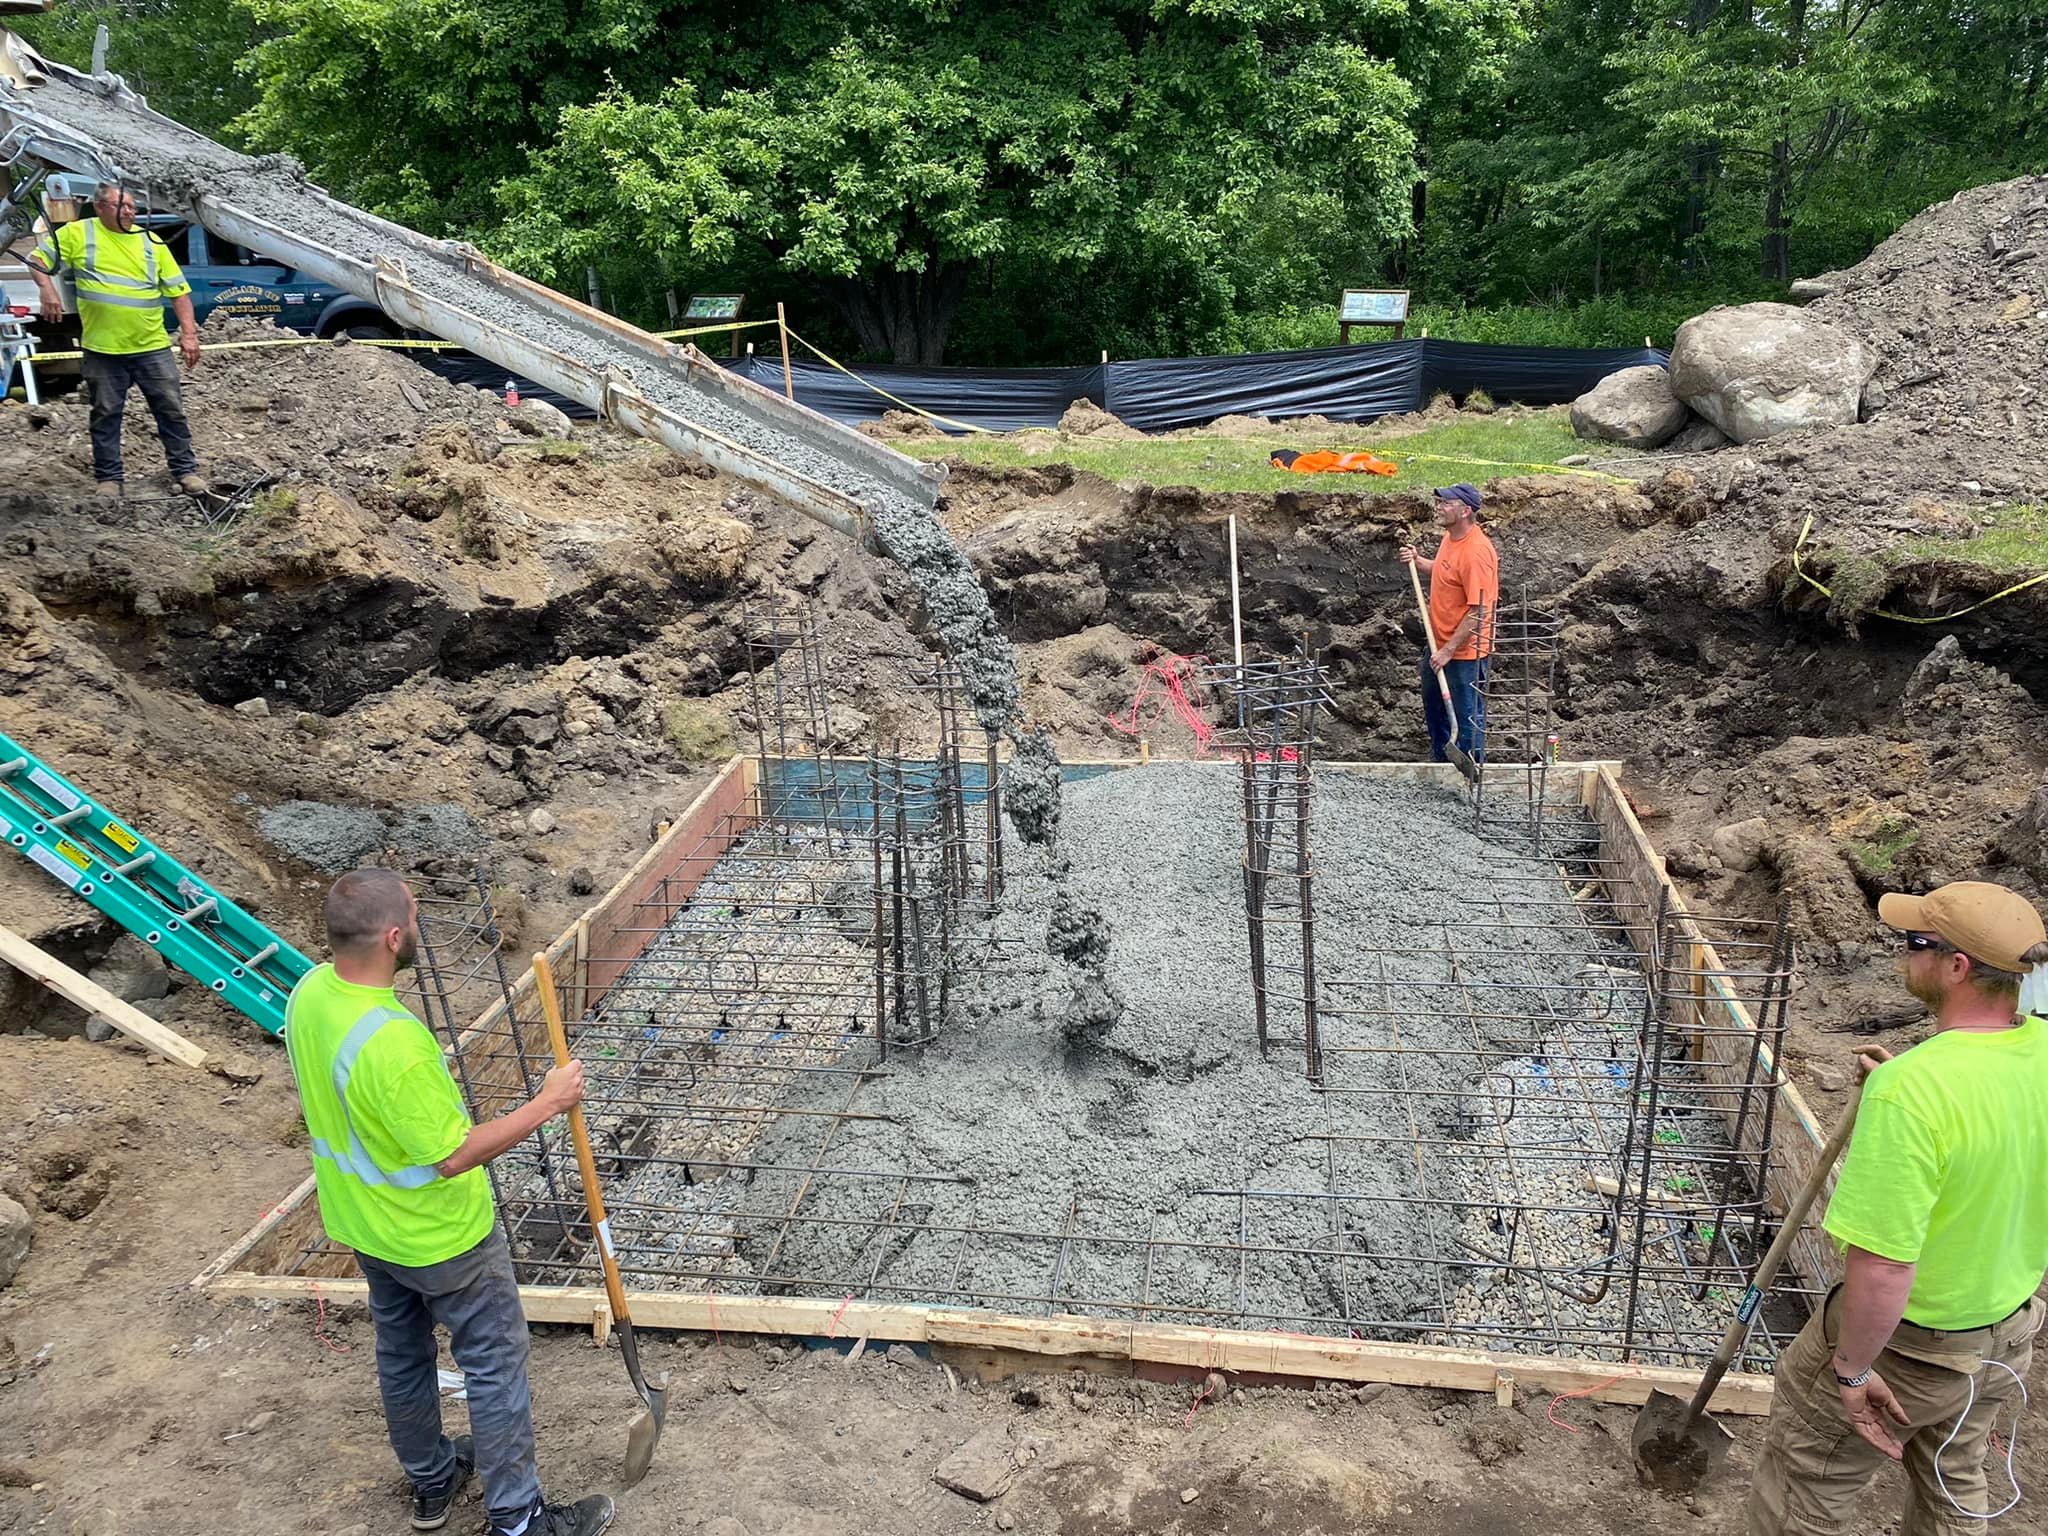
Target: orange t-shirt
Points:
(1467, 572)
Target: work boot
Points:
(430, 1510)
(194, 485)
(586, 1517)
(108, 490)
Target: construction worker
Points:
(1464, 592)
(399, 1169)
(122, 276)
(1942, 1210)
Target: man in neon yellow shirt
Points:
(123, 275)
(400, 1173)
(1942, 1210)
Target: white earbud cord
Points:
(2012, 1447)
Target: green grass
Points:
(2008, 539)
(1467, 450)
(1878, 854)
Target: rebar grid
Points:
(1520, 697)
(1277, 704)
(750, 1007)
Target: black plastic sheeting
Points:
(1360, 383)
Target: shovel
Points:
(1674, 1441)
(1459, 756)
(644, 1433)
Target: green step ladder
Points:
(54, 825)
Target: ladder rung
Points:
(76, 813)
(260, 956)
(9, 770)
(199, 911)
(140, 861)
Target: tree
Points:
(892, 167)
(181, 54)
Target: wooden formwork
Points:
(591, 953)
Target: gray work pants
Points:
(474, 1297)
(110, 376)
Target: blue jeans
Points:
(475, 1297)
(1466, 679)
(156, 375)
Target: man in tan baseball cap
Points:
(1941, 1209)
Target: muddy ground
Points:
(441, 605)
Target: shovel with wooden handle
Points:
(1674, 1441)
(644, 1433)
(1459, 756)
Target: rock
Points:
(536, 418)
(1740, 845)
(16, 1232)
(312, 725)
(982, 1469)
(1698, 436)
(132, 971)
(1756, 370)
(541, 822)
(259, 708)
(1189, 1495)
(1370, 1391)
(1026, 1397)
(1830, 1079)
(261, 1422)
(1574, 460)
(581, 881)
(1633, 406)
(1005, 1521)
(99, 1029)
(903, 1355)
(1812, 287)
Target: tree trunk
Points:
(1701, 161)
(903, 315)
(1777, 246)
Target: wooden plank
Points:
(1302, 1356)
(38, 965)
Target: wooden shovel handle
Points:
(593, 1197)
(1774, 1258)
(1422, 609)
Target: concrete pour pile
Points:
(1008, 1167)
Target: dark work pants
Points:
(474, 1297)
(156, 375)
(1466, 678)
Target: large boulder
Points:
(1633, 407)
(16, 1232)
(1756, 370)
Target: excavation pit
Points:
(1542, 1141)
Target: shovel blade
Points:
(644, 1433)
(1674, 1448)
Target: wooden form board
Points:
(38, 965)
(1054, 1339)
(250, 1267)
(1726, 1029)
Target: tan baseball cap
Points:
(1986, 922)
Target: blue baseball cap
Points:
(1468, 494)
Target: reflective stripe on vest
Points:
(91, 270)
(354, 1159)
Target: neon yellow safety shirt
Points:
(1948, 1171)
(122, 282)
(382, 1111)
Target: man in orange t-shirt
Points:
(1464, 592)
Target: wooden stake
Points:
(1504, 1389)
(40, 966)
(782, 329)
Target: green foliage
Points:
(1473, 450)
(181, 54)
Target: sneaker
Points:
(430, 1510)
(194, 485)
(586, 1517)
(109, 490)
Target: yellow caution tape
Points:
(1392, 449)
(1904, 618)
(965, 426)
(399, 343)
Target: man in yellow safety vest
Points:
(400, 1172)
(123, 275)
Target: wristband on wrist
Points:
(1857, 1380)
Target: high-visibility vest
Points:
(121, 281)
(341, 1150)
